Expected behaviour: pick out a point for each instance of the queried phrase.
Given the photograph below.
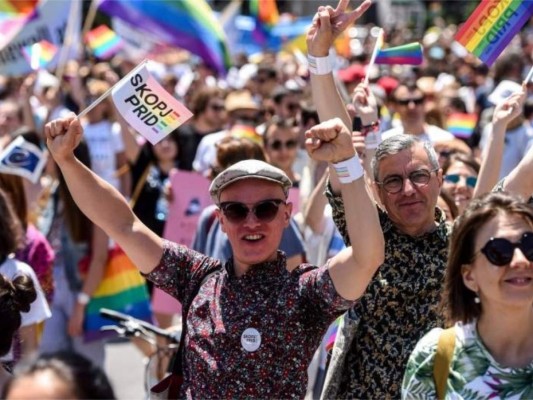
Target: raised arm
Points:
(492, 156)
(519, 179)
(98, 200)
(351, 269)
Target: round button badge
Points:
(251, 339)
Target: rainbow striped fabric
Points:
(266, 15)
(407, 54)
(39, 54)
(461, 125)
(17, 7)
(331, 334)
(492, 25)
(122, 289)
(247, 132)
(104, 42)
(188, 24)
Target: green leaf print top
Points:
(474, 372)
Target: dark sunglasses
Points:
(278, 144)
(500, 251)
(264, 211)
(405, 102)
(455, 178)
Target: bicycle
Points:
(129, 327)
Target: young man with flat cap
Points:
(252, 326)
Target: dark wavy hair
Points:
(458, 301)
(11, 231)
(16, 296)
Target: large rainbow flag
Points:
(492, 25)
(188, 24)
(407, 54)
(266, 15)
(17, 7)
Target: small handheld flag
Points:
(39, 54)
(407, 54)
(492, 25)
(23, 159)
(104, 42)
(461, 125)
(379, 44)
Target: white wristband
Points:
(372, 140)
(349, 170)
(319, 65)
(83, 298)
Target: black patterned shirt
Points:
(400, 305)
(252, 336)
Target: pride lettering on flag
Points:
(492, 26)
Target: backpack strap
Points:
(443, 361)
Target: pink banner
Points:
(190, 192)
(294, 198)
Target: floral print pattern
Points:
(474, 374)
(289, 313)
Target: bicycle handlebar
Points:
(129, 322)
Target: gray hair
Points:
(397, 143)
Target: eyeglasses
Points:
(264, 211)
(394, 184)
(500, 251)
(217, 107)
(405, 102)
(455, 178)
(278, 144)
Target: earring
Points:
(476, 299)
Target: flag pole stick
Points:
(67, 41)
(374, 54)
(529, 76)
(108, 91)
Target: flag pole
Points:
(529, 76)
(75, 10)
(108, 91)
(374, 54)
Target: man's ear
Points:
(469, 277)
(219, 216)
(439, 177)
(288, 213)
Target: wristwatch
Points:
(83, 298)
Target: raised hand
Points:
(328, 24)
(329, 141)
(510, 108)
(365, 104)
(62, 136)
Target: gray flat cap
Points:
(248, 169)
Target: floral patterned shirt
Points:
(400, 305)
(474, 374)
(252, 336)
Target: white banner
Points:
(49, 23)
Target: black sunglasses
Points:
(500, 251)
(278, 144)
(264, 211)
(455, 178)
(405, 102)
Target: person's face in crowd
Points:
(289, 107)
(43, 385)
(412, 208)
(166, 150)
(215, 112)
(254, 240)
(444, 207)
(508, 285)
(245, 116)
(265, 84)
(9, 119)
(460, 181)
(410, 105)
(281, 146)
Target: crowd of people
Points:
(347, 224)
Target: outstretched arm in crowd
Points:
(98, 200)
(519, 180)
(352, 268)
(491, 162)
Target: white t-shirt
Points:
(207, 151)
(432, 134)
(104, 141)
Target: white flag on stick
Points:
(24, 159)
(145, 104)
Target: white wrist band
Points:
(83, 298)
(372, 140)
(319, 65)
(349, 170)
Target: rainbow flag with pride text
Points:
(492, 25)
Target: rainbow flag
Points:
(331, 334)
(407, 54)
(17, 7)
(461, 125)
(104, 42)
(266, 15)
(122, 289)
(492, 25)
(39, 54)
(246, 131)
(188, 24)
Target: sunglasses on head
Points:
(264, 211)
(278, 144)
(455, 178)
(405, 102)
(500, 251)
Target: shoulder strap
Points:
(139, 185)
(443, 361)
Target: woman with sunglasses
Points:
(488, 299)
(460, 173)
